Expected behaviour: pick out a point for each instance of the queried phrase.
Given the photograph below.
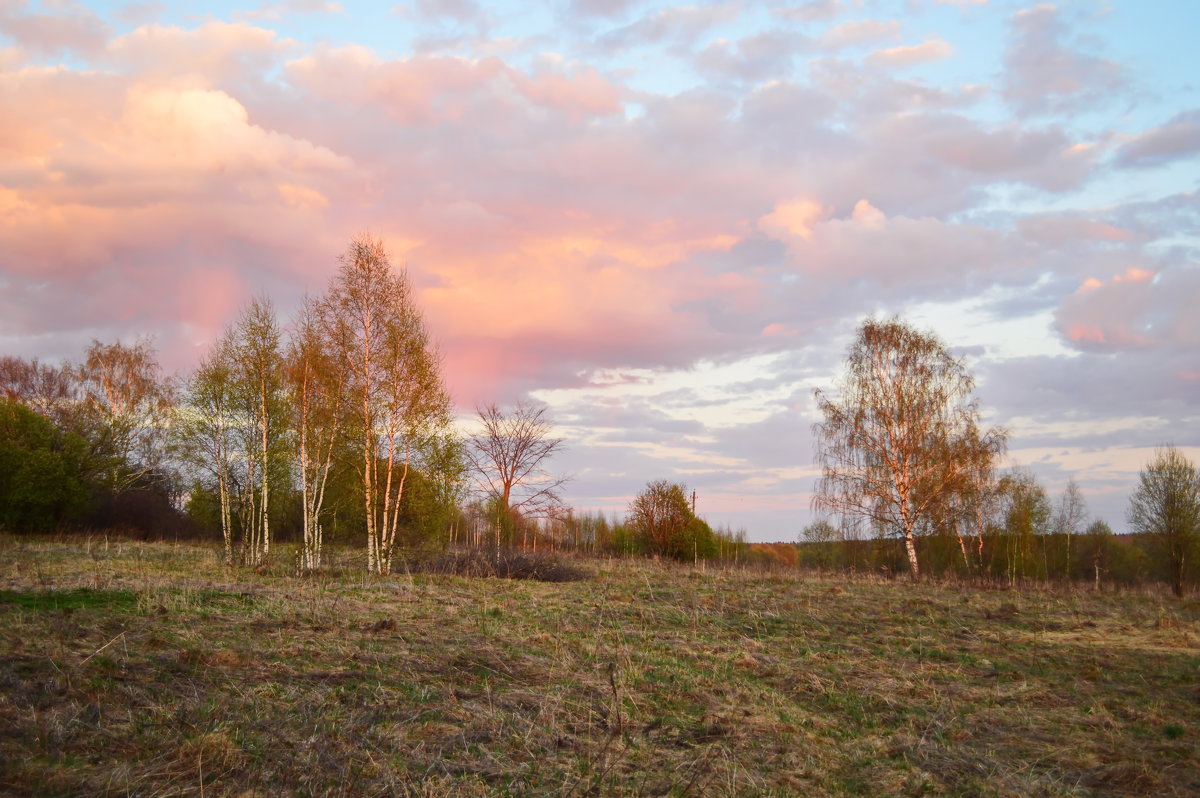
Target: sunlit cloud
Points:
(912, 54)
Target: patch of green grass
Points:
(79, 598)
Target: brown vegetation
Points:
(146, 668)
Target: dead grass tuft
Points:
(1004, 612)
(215, 750)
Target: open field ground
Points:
(149, 669)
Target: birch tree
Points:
(234, 429)
(393, 387)
(1026, 513)
(1166, 506)
(1069, 519)
(975, 501)
(258, 364)
(203, 432)
(898, 438)
(316, 387)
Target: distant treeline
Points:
(1098, 557)
(71, 465)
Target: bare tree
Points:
(897, 444)
(509, 457)
(1070, 518)
(1166, 505)
(46, 389)
(393, 388)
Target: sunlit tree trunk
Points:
(316, 378)
(252, 345)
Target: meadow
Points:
(151, 669)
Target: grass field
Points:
(149, 669)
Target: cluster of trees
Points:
(905, 458)
(1027, 537)
(340, 418)
(349, 402)
(335, 425)
(85, 442)
(659, 523)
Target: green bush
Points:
(41, 482)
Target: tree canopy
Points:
(901, 437)
(664, 525)
(1166, 505)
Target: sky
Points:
(663, 221)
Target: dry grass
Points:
(503, 564)
(149, 669)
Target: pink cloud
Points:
(1093, 335)
(450, 89)
(895, 252)
(795, 217)
(1046, 71)
(862, 31)
(682, 24)
(275, 11)
(563, 300)
(1113, 314)
(583, 94)
(1066, 231)
(813, 11)
(1179, 138)
(205, 55)
(547, 233)
(74, 29)
(912, 55)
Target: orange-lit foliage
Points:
(776, 554)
